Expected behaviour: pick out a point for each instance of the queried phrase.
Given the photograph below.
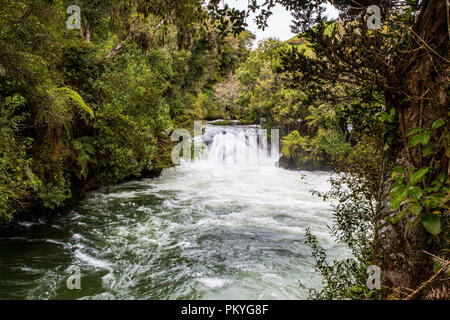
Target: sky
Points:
(279, 23)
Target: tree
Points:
(405, 66)
(82, 109)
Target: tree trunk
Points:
(419, 98)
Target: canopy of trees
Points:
(390, 87)
(89, 107)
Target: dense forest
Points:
(81, 109)
(90, 107)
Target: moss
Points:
(222, 123)
(245, 122)
(63, 105)
(73, 99)
(230, 122)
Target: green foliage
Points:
(260, 91)
(311, 131)
(331, 142)
(85, 108)
(374, 80)
(300, 149)
(17, 180)
(81, 109)
(314, 131)
(66, 96)
(411, 192)
(342, 278)
(85, 154)
(222, 123)
(356, 212)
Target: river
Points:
(219, 228)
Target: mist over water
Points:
(228, 226)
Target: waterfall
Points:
(229, 226)
(239, 145)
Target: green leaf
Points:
(395, 188)
(422, 138)
(418, 176)
(385, 117)
(442, 177)
(435, 186)
(399, 169)
(398, 199)
(414, 141)
(89, 148)
(437, 124)
(407, 227)
(432, 223)
(416, 210)
(386, 35)
(414, 131)
(400, 215)
(415, 192)
(427, 150)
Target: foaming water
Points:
(240, 146)
(220, 228)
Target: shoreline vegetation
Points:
(86, 108)
(49, 216)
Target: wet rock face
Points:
(311, 165)
(286, 163)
